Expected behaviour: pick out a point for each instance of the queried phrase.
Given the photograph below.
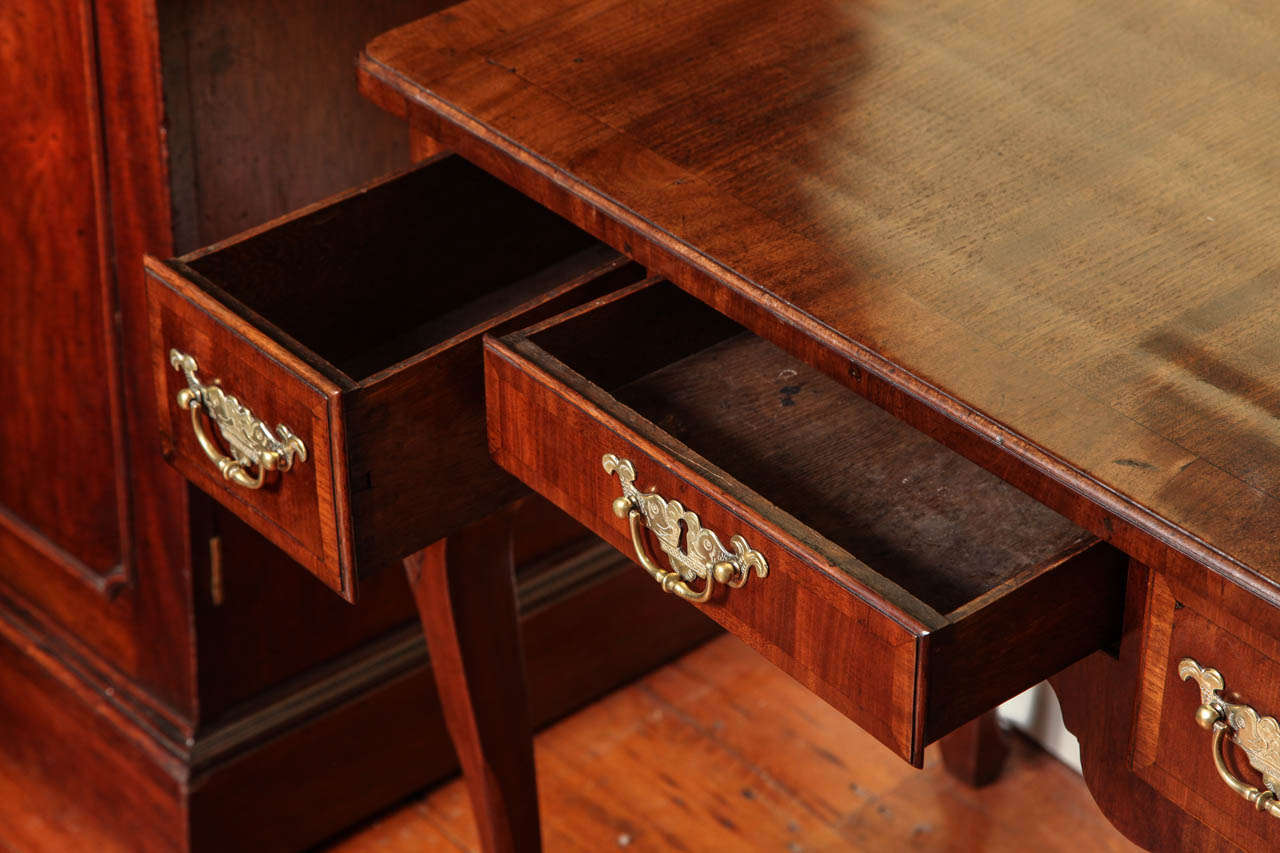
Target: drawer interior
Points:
(919, 515)
(396, 268)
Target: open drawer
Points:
(321, 375)
(908, 587)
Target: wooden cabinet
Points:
(63, 489)
(79, 538)
(171, 680)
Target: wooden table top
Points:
(1058, 223)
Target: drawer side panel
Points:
(1071, 608)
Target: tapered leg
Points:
(422, 146)
(464, 587)
(975, 752)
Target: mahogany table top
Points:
(1058, 223)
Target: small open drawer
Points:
(908, 587)
(321, 375)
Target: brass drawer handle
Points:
(1258, 736)
(251, 441)
(703, 557)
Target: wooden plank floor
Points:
(720, 751)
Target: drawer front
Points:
(298, 509)
(818, 625)
(1197, 654)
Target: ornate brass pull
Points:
(703, 557)
(1258, 736)
(251, 441)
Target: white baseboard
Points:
(1037, 713)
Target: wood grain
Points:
(419, 429)
(391, 736)
(720, 750)
(908, 587)
(146, 633)
(96, 105)
(122, 794)
(1073, 259)
(464, 587)
(926, 518)
(60, 436)
(975, 753)
(356, 322)
(1100, 697)
(276, 624)
(137, 634)
(1171, 752)
(556, 445)
(243, 147)
(300, 510)
(357, 271)
(81, 770)
(422, 147)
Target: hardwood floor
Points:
(721, 751)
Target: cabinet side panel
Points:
(75, 776)
(58, 447)
(249, 140)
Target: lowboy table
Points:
(1046, 235)
(931, 348)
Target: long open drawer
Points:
(910, 588)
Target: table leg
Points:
(422, 147)
(464, 587)
(975, 752)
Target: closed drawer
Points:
(1205, 647)
(321, 376)
(908, 587)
